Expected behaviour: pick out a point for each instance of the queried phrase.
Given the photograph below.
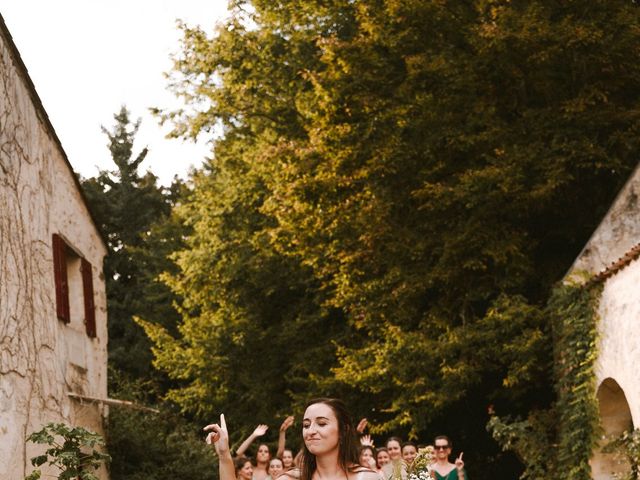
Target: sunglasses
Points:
(441, 447)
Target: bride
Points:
(330, 450)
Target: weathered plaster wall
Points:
(619, 329)
(41, 358)
(618, 232)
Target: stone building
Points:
(610, 257)
(53, 332)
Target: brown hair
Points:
(443, 437)
(348, 441)
(239, 463)
(408, 444)
(371, 449)
(268, 450)
(378, 450)
(393, 439)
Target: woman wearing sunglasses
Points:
(444, 469)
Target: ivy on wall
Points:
(571, 425)
(573, 311)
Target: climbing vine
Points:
(573, 311)
(571, 424)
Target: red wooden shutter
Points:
(89, 306)
(60, 273)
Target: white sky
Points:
(86, 58)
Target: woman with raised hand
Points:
(219, 437)
(260, 470)
(282, 440)
(330, 449)
(287, 459)
(443, 468)
(367, 457)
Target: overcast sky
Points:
(86, 58)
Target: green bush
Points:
(148, 446)
(75, 455)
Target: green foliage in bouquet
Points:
(75, 454)
(420, 468)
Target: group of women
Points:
(396, 457)
(331, 450)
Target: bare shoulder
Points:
(358, 472)
(293, 474)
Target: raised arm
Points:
(258, 432)
(219, 437)
(282, 436)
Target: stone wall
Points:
(617, 364)
(610, 253)
(42, 359)
(619, 346)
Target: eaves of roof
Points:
(616, 266)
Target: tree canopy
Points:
(397, 187)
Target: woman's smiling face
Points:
(287, 458)
(246, 472)
(275, 468)
(383, 458)
(320, 429)
(393, 447)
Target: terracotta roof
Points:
(618, 265)
(42, 114)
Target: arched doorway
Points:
(615, 418)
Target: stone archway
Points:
(615, 418)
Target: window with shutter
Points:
(74, 287)
(87, 290)
(62, 283)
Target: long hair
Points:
(348, 444)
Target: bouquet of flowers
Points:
(421, 467)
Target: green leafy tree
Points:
(147, 445)
(399, 184)
(72, 450)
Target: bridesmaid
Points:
(444, 469)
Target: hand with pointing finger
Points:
(459, 463)
(218, 436)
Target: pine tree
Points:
(131, 210)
